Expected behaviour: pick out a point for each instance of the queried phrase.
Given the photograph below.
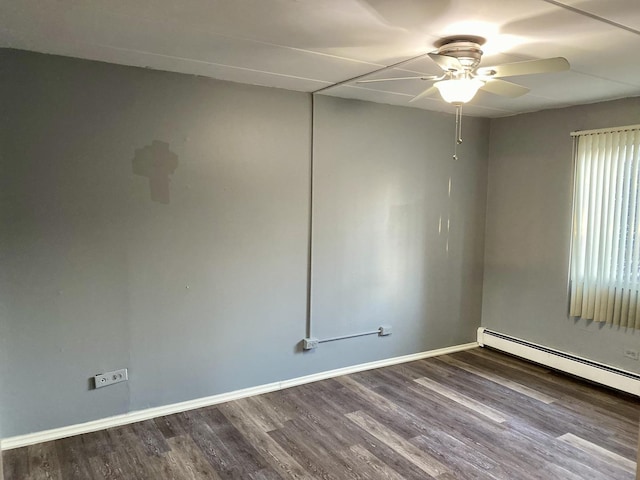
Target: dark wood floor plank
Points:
(555, 419)
(386, 411)
(476, 414)
(501, 380)
(221, 458)
(507, 401)
(464, 400)
(74, 463)
(435, 413)
(351, 432)
(313, 458)
(405, 467)
(260, 419)
(595, 450)
(421, 459)
(150, 437)
(169, 426)
(318, 415)
(494, 440)
(566, 388)
(553, 382)
(427, 403)
(342, 400)
(326, 441)
(107, 467)
(254, 431)
(563, 455)
(94, 443)
(245, 458)
(43, 461)
(278, 402)
(273, 416)
(266, 474)
(128, 453)
(368, 465)
(186, 459)
(463, 460)
(622, 446)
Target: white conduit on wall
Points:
(310, 342)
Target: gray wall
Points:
(381, 180)
(159, 222)
(528, 231)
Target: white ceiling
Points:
(308, 45)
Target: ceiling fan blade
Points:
(447, 63)
(506, 89)
(423, 77)
(528, 67)
(429, 91)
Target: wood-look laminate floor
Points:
(477, 414)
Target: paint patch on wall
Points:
(157, 163)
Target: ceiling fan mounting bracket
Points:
(460, 38)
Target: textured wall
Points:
(159, 222)
(154, 221)
(529, 228)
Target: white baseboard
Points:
(149, 413)
(612, 377)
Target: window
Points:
(605, 248)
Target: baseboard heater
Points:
(580, 367)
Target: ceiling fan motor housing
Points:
(467, 52)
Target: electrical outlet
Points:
(109, 378)
(384, 330)
(631, 353)
(309, 343)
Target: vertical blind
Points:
(605, 253)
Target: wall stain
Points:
(156, 162)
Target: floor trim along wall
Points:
(565, 362)
(137, 416)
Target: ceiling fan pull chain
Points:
(458, 133)
(459, 124)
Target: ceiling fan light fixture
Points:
(458, 91)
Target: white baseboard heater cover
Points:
(580, 367)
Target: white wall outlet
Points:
(631, 353)
(109, 378)
(309, 343)
(384, 330)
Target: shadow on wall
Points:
(156, 162)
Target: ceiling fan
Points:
(459, 57)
